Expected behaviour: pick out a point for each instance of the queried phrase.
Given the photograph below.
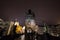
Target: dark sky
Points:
(45, 10)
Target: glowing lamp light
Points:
(16, 23)
(23, 27)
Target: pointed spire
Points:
(30, 14)
(29, 11)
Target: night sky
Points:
(45, 10)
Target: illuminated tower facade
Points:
(30, 19)
(29, 24)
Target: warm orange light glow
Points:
(19, 29)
